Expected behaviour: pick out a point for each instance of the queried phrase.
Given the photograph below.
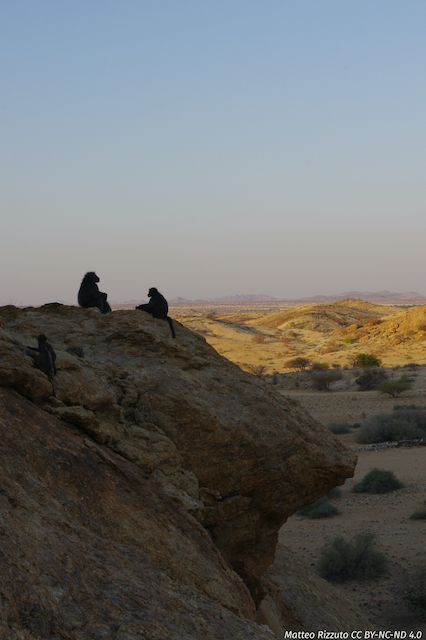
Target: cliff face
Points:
(109, 488)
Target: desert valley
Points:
(334, 334)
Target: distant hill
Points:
(383, 297)
(257, 297)
(377, 297)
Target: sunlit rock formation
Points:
(148, 495)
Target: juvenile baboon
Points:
(89, 294)
(158, 308)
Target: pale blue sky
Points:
(212, 147)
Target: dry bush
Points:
(293, 334)
(257, 369)
(278, 334)
(357, 560)
(378, 481)
(259, 338)
(421, 326)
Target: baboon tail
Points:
(170, 321)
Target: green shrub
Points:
(319, 509)
(388, 427)
(323, 380)
(338, 427)
(319, 366)
(349, 340)
(395, 387)
(419, 514)
(378, 481)
(416, 595)
(368, 360)
(357, 560)
(371, 378)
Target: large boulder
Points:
(219, 442)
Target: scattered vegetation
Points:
(371, 378)
(259, 338)
(356, 560)
(349, 340)
(388, 427)
(338, 427)
(323, 380)
(322, 508)
(378, 481)
(395, 387)
(367, 360)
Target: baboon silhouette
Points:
(89, 294)
(158, 308)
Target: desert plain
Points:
(263, 341)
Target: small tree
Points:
(371, 378)
(297, 363)
(395, 387)
(323, 380)
(367, 360)
(257, 369)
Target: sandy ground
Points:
(387, 516)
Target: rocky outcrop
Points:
(150, 442)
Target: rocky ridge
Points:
(157, 458)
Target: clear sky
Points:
(212, 147)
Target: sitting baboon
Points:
(45, 358)
(158, 308)
(89, 294)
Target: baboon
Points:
(158, 308)
(45, 358)
(89, 294)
